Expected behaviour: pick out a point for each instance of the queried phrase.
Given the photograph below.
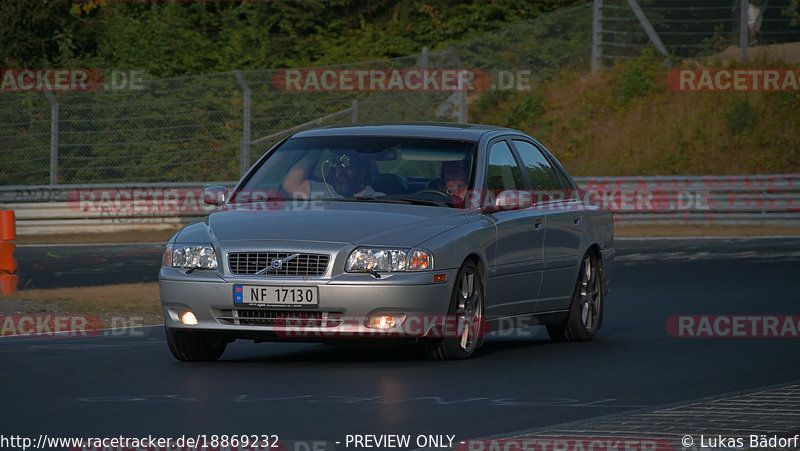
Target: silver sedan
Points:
(432, 233)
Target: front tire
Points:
(466, 307)
(193, 346)
(586, 309)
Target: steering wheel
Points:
(445, 197)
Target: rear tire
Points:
(586, 309)
(466, 307)
(192, 346)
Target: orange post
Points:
(8, 230)
(8, 284)
(7, 262)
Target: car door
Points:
(516, 274)
(564, 226)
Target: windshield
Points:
(374, 169)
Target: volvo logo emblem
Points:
(277, 263)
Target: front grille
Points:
(281, 318)
(245, 263)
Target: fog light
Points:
(189, 319)
(382, 322)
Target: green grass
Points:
(626, 121)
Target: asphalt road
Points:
(128, 384)
(80, 265)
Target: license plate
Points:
(272, 296)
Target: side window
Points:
(540, 173)
(503, 172)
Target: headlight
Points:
(190, 257)
(382, 260)
(166, 261)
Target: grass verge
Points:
(628, 120)
(116, 305)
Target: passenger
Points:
(349, 178)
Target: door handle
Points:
(576, 220)
(538, 224)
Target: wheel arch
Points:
(594, 248)
(479, 263)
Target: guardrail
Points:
(701, 200)
(697, 200)
(51, 209)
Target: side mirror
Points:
(215, 195)
(510, 200)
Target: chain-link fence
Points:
(278, 113)
(173, 129)
(207, 127)
(688, 28)
(212, 127)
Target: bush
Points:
(739, 115)
(637, 78)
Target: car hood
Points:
(371, 223)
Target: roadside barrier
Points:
(768, 200)
(701, 200)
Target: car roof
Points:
(440, 130)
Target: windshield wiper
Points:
(385, 200)
(417, 201)
(379, 199)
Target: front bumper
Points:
(346, 302)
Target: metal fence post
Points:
(597, 36)
(244, 148)
(423, 59)
(648, 27)
(461, 106)
(354, 111)
(53, 137)
(744, 7)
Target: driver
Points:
(454, 181)
(349, 178)
(454, 174)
